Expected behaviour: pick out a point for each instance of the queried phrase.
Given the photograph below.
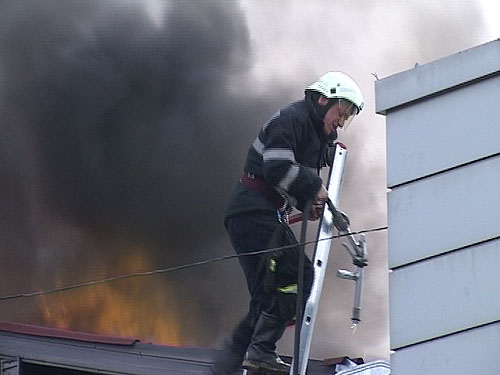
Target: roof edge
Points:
(437, 76)
(59, 333)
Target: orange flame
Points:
(136, 307)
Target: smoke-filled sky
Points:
(124, 125)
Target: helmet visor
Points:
(347, 111)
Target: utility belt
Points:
(259, 185)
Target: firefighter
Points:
(281, 171)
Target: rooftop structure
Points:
(443, 176)
(33, 350)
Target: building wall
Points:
(443, 176)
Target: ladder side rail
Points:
(321, 254)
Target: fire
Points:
(140, 307)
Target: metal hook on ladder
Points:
(357, 251)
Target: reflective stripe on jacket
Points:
(288, 153)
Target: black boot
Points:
(227, 360)
(261, 352)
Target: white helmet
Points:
(338, 85)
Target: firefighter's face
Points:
(338, 116)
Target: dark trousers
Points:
(258, 231)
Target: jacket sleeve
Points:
(280, 139)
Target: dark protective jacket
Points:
(288, 154)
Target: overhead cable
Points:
(177, 268)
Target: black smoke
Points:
(118, 125)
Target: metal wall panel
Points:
(445, 294)
(437, 76)
(444, 212)
(443, 166)
(443, 132)
(465, 353)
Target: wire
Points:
(176, 268)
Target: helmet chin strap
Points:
(323, 109)
(320, 110)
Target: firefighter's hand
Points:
(321, 195)
(316, 209)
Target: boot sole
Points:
(256, 368)
(265, 372)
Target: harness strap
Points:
(260, 186)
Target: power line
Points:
(177, 268)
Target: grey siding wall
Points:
(443, 175)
